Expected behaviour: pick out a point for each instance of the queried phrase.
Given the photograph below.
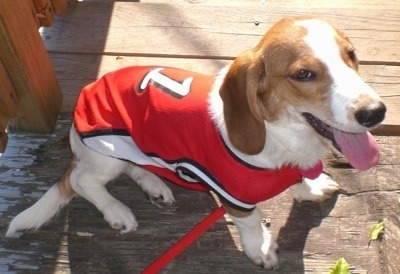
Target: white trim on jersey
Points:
(213, 184)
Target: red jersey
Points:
(158, 118)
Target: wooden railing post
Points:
(29, 70)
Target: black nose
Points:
(371, 115)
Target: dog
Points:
(260, 126)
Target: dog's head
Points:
(303, 70)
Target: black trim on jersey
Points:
(195, 172)
(239, 159)
(103, 132)
(188, 175)
(233, 205)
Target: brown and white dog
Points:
(284, 102)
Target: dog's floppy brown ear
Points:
(240, 91)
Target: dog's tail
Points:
(43, 210)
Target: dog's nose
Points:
(371, 115)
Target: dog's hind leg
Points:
(91, 173)
(89, 182)
(157, 191)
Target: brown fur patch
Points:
(347, 50)
(64, 182)
(239, 93)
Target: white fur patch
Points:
(257, 242)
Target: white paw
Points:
(157, 191)
(261, 248)
(256, 240)
(120, 217)
(317, 190)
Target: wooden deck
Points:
(95, 37)
(311, 236)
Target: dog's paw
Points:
(317, 190)
(120, 217)
(162, 200)
(261, 248)
(156, 190)
(159, 194)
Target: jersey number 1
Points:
(166, 84)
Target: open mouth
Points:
(321, 128)
(360, 149)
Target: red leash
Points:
(185, 241)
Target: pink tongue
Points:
(361, 149)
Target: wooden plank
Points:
(392, 230)
(75, 71)
(225, 33)
(3, 133)
(24, 55)
(385, 80)
(60, 6)
(34, 12)
(336, 2)
(262, 2)
(8, 95)
(8, 104)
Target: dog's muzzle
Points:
(360, 149)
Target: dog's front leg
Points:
(317, 190)
(257, 242)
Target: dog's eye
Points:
(303, 75)
(352, 54)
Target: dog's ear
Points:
(243, 109)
